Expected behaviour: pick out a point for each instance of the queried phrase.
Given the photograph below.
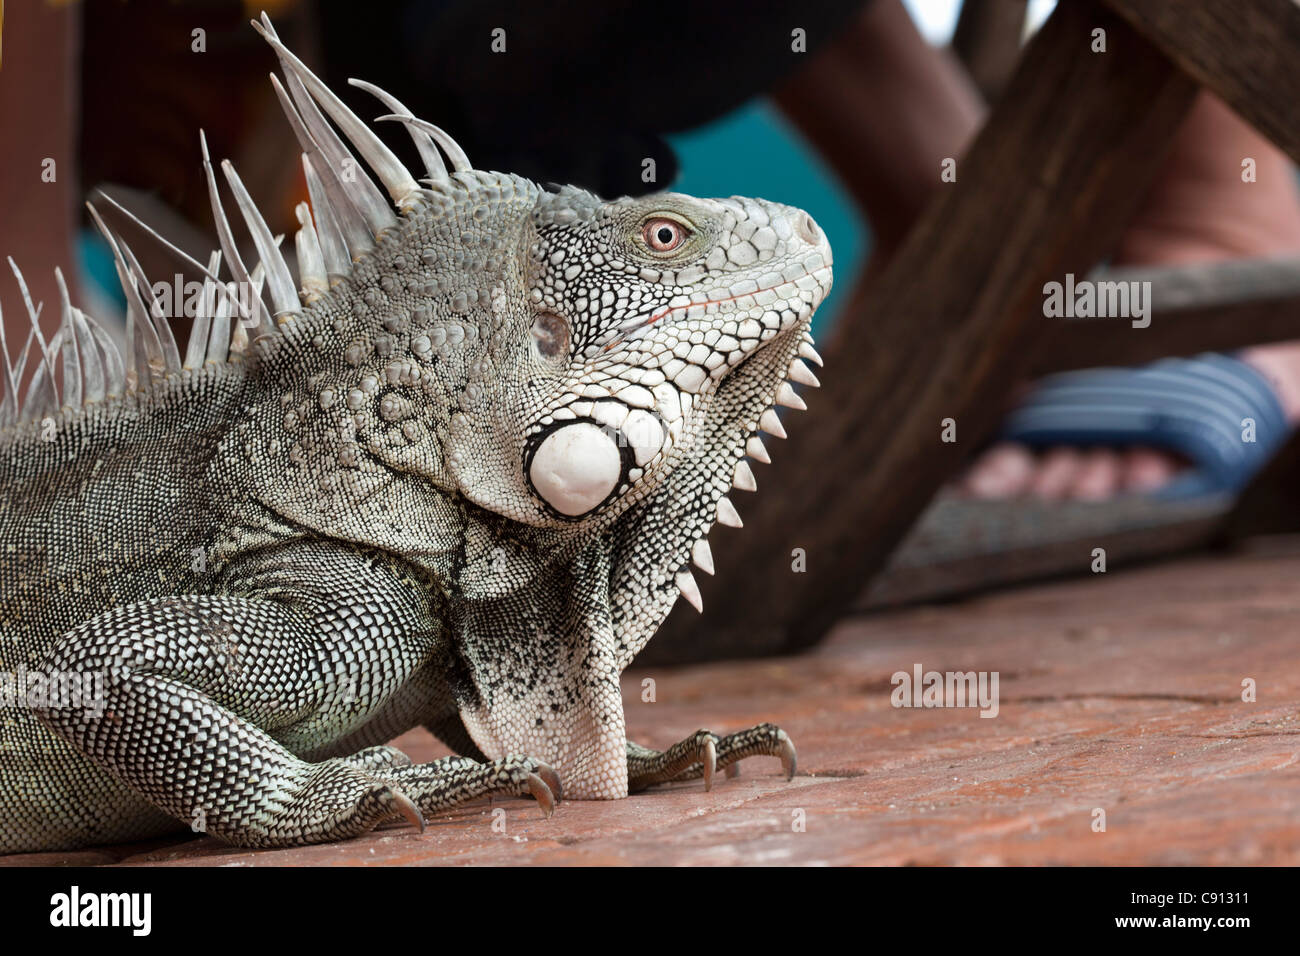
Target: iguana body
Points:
(456, 478)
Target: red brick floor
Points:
(1121, 692)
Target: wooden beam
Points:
(1194, 308)
(987, 41)
(947, 331)
(1246, 51)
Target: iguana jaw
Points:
(657, 544)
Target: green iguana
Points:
(455, 476)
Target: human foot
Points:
(1200, 211)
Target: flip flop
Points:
(1214, 410)
(1196, 408)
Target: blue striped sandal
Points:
(1214, 410)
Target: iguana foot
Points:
(376, 760)
(703, 753)
(348, 796)
(339, 800)
(452, 781)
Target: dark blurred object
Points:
(146, 93)
(585, 91)
(582, 94)
(987, 39)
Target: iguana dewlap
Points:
(455, 475)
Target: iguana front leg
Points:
(704, 753)
(209, 700)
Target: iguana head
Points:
(636, 311)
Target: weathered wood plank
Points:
(946, 332)
(1119, 691)
(1194, 308)
(1244, 50)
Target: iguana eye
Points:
(663, 235)
(550, 336)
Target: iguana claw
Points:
(789, 759)
(703, 753)
(408, 809)
(552, 780)
(542, 793)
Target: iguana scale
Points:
(455, 476)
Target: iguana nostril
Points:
(808, 229)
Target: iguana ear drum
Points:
(576, 467)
